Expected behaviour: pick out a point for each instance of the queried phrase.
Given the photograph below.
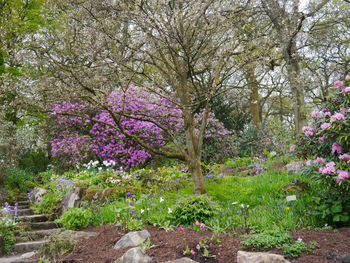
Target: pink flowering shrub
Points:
(326, 143)
(84, 132)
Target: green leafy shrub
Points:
(193, 208)
(18, 180)
(294, 250)
(76, 218)
(268, 239)
(56, 247)
(49, 205)
(34, 162)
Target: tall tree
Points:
(180, 50)
(287, 20)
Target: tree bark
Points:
(293, 70)
(254, 96)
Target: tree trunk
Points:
(193, 156)
(254, 96)
(293, 70)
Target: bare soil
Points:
(334, 244)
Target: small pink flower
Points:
(344, 157)
(345, 90)
(328, 169)
(342, 175)
(193, 252)
(198, 247)
(327, 114)
(337, 148)
(319, 160)
(308, 131)
(197, 223)
(338, 83)
(315, 114)
(202, 226)
(180, 229)
(337, 117)
(325, 125)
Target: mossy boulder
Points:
(296, 186)
(108, 194)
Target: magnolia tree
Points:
(327, 140)
(83, 133)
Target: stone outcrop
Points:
(296, 186)
(134, 255)
(76, 236)
(259, 257)
(36, 195)
(72, 199)
(132, 239)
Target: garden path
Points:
(38, 227)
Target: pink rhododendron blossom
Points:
(344, 157)
(337, 117)
(197, 223)
(193, 252)
(345, 90)
(337, 148)
(321, 139)
(202, 225)
(180, 229)
(342, 175)
(316, 114)
(319, 160)
(328, 169)
(308, 131)
(325, 125)
(338, 83)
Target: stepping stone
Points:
(23, 212)
(32, 218)
(23, 202)
(46, 232)
(17, 259)
(28, 246)
(44, 225)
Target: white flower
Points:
(242, 205)
(247, 206)
(161, 199)
(99, 168)
(169, 210)
(141, 211)
(234, 203)
(299, 239)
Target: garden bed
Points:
(169, 245)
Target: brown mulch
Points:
(170, 246)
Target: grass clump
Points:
(268, 239)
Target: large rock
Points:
(134, 255)
(76, 236)
(182, 260)
(72, 199)
(296, 186)
(345, 259)
(294, 167)
(36, 195)
(259, 257)
(132, 239)
(107, 194)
